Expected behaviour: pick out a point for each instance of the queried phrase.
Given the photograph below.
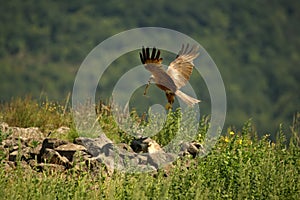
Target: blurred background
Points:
(255, 45)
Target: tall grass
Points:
(28, 112)
(240, 166)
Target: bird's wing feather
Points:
(181, 68)
(153, 64)
(160, 76)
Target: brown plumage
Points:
(175, 77)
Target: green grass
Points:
(44, 114)
(240, 166)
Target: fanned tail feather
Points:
(190, 101)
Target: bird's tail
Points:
(190, 101)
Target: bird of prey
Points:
(175, 77)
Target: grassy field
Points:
(241, 165)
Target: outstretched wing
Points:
(181, 68)
(155, 56)
(153, 64)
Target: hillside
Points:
(255, 45)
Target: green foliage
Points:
(46, 115)
(237, 168)
(171, 128)
(3, 135)
(240, 166)
(255, 45)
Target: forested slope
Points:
(255, 44)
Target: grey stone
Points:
(145, 145)
(191, 148)
(40, 153)
(20, 154)
(117, 157)
(160, 159)
(53, 157)
(69, 149)
(31, 132)
(52, 143)
(4, 128)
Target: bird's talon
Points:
(169, 106)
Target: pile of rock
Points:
(31, 147)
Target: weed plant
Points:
(240, 166)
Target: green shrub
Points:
(240, 166)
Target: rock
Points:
(36, 150)
(153, 147)
(20, 154)
(160, 159)
(21, 139)
(80, 157)
(192, 148)
(104, 151)
(145, 145)
(40, 153)
(94, 146)
(52, 143)
(125, 147)
(118, 156)
(9, 165)
(69, 149)
(24, 133)
(53, 157)
(13, 156)
(28, 146)
(139, 145)
(13, 143)
(4, 128)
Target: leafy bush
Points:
(240, 166)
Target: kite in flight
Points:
(175, 77)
